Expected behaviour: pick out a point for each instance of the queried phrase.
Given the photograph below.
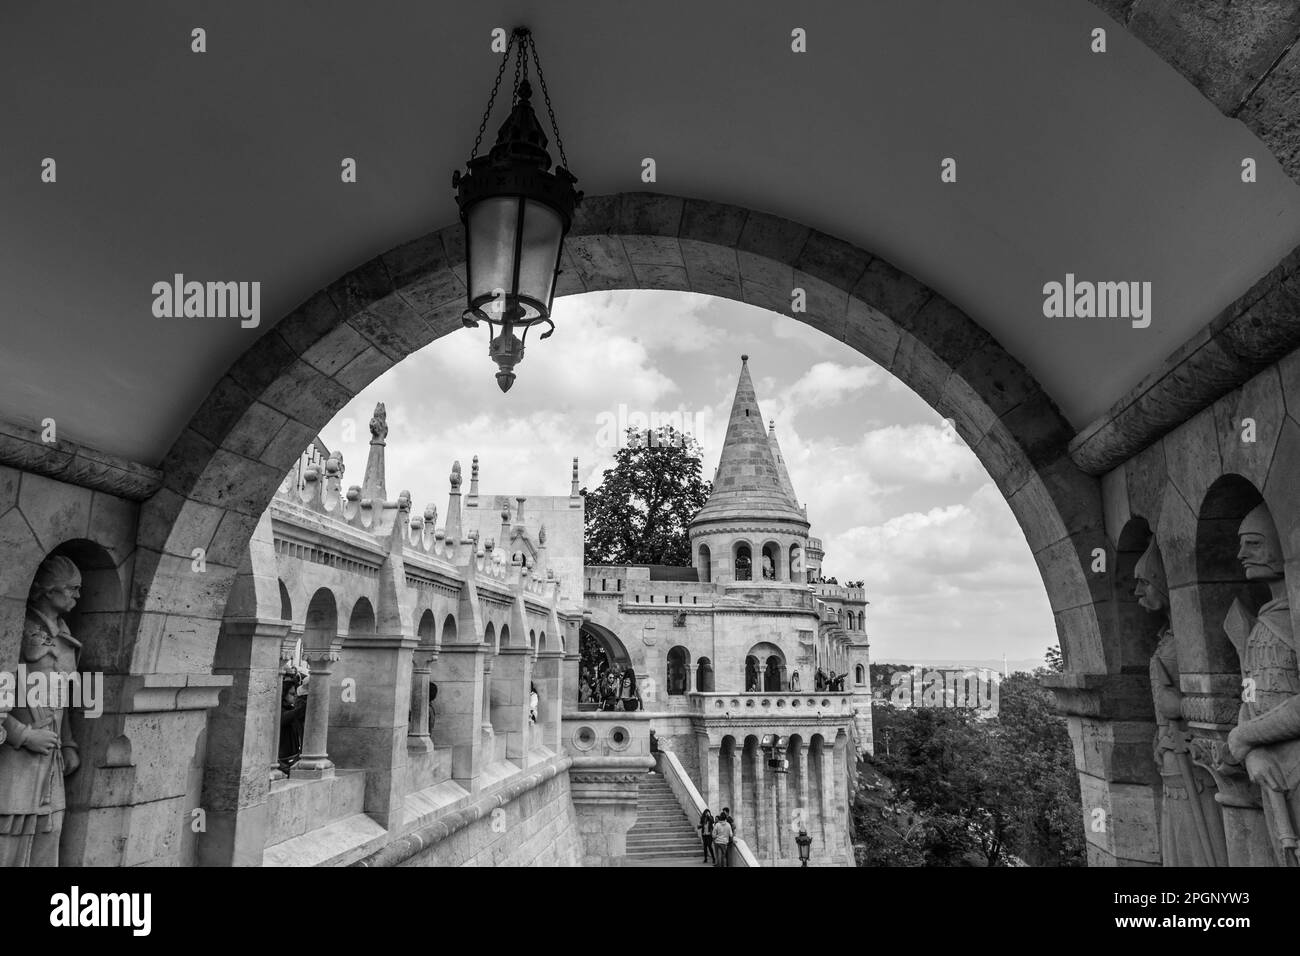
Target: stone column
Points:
(315, 763)
(417, 733)
(512, 676)
(239, 736)
(1109, 720)
(284, 657)
(462, 702)
(368, 730)
(737, 779)
(712, 791)
(550, 689)
(784, 835)
(761, 809)
(825, 811)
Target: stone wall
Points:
(537, 828)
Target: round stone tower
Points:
(751, 529)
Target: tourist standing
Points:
(706, 835)
(722, 841)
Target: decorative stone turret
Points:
(453, 506)
(751, 528)
(372, 486)
(473, 484)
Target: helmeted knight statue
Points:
(1266, 739)
(1191, 823)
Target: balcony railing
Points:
(782, 704)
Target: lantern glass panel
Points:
(491, 227)
(543, 232)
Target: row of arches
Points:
(773, 562)
(802, 797)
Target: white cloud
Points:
(905, 506)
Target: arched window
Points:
(679, 662)
(744, 563)
(771, 561)
(704, 675)
(704, 564)
(773, 674)
(751, 674)
(797, 570)
(859, 675)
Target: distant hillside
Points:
(1026, 664)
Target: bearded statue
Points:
(1191, 823)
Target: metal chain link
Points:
(541, 80)
(487, 113)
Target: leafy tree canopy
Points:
(645, 503)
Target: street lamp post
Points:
(774, 748)
(804, 842)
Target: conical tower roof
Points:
(748, 483)
(786, 485)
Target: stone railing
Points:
(607, 740)
(783, 704)
(692, 804)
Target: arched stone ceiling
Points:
(225, 166)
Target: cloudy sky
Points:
(898, 500)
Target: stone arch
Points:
(771, 551)
(96, 622)
(860, 675)
(490, 636)
(742, 560)
(1206, 655)
(448, 635)
(609, 642)
(704, 682)
(679, 667)
(704, 563)
(286, 604)
(222, 471)
(503, 638)
(322, 624)
(425, 630)
(726, 773)
(1137, 629)
(797, 570)
(362, 618)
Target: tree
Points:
(645, 503)
(984, 787)
(1055, 662)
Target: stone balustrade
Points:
(782, 703)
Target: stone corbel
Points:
(1113, 696)
(149, 693)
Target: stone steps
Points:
(662, 834)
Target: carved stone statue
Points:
(38, 750)
(1266, 739)
(1191, 823)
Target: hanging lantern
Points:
(516, 213)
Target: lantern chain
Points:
(541, 80)
(487, 113)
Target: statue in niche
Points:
(1266, 740)
(1191, 824)
(38, 749)
(769, 569)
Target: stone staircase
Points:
(662, 834)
